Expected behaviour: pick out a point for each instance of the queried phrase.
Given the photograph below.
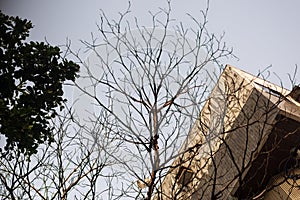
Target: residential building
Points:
(245, 144)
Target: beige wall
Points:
(231, 130)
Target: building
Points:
(245, 144)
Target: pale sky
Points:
(262, 33)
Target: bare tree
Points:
(75, 166)
(152, 82)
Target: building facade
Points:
(244, 145)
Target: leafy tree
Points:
(31, 79)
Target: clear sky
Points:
(262, 33)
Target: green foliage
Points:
(31, 78)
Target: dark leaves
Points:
(31, 78)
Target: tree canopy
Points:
(31, 85)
